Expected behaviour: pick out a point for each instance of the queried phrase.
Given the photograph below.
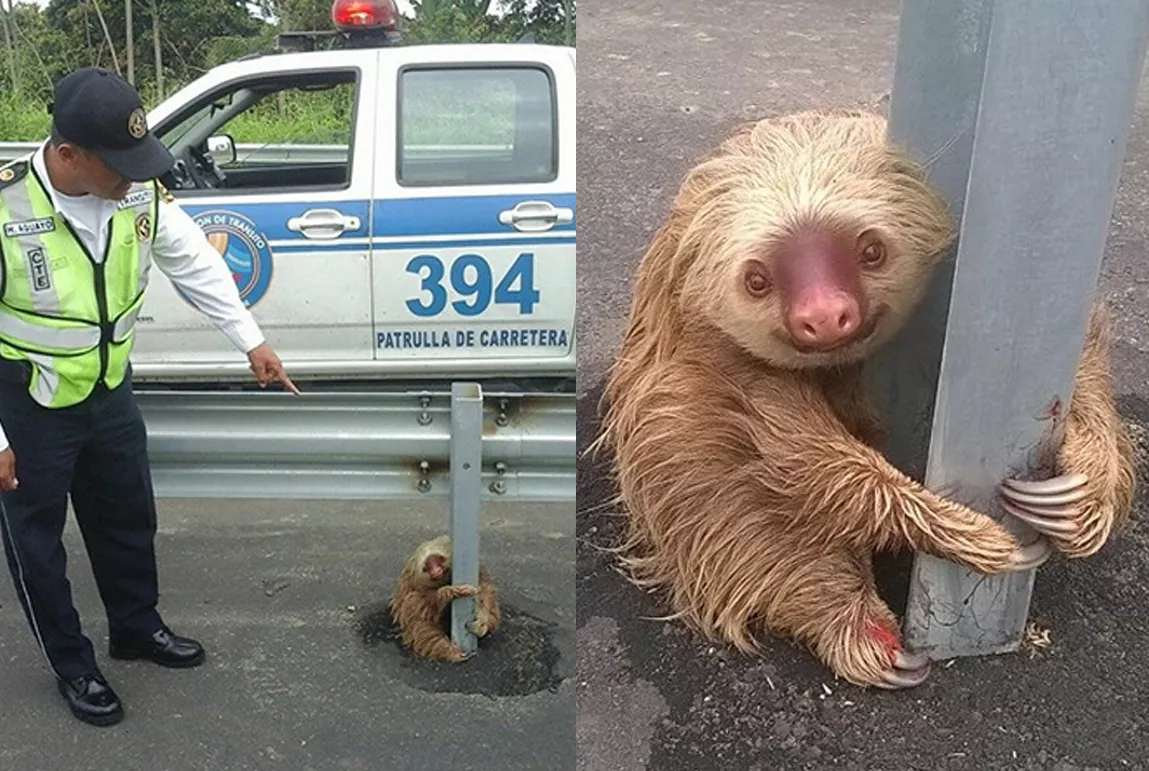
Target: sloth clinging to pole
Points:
(744, 449)
(423, 598)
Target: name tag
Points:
(135, 199)
(29, 227)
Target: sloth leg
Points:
(426, 640)
(487, 614)
(850, 628)
(1093, 493)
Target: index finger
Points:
(281, 375)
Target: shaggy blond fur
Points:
(419, 604)
(754, 492)
(1097, 445)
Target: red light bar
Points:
(365, 14)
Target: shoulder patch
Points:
(13, 172)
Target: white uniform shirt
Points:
(180, 249)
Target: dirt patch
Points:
(518, 660)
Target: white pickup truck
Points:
(421, 231)
(424, 243)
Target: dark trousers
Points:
(97, 453)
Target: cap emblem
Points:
(137, 124)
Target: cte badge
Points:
(243, 248)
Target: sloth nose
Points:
(824, 320)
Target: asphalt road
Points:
(659, 83)
(287, 597)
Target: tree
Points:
(444, 21)
(9, 46)
(551, 21)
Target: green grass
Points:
(21, 120)
(300, 117)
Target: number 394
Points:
(472, 279)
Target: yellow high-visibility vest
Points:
(70, 316)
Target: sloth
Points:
(423, 598)
(744, 449)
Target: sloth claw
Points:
(1048, 506)
(908, 671)
(1058, 491)
(1048, 524)
(905, 660)
(1032, 555)
(1053, 486)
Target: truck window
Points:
(292, 131)
(476, 126)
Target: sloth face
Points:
(811, 239)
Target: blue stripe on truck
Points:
(446, 216)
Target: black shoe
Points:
(163, 647)
(92, 699)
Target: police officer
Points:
(81, 221)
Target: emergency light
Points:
(350, 15)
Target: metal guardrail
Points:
(353, 446)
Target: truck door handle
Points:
(534, 216)
(322, 223)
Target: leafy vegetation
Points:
(175, 41)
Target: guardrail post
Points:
(466, 487)
(1021, 110)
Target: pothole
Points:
(517, 660)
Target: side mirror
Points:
(221, 147)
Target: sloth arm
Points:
(776, 450)
(1096, 441)
(836, 488)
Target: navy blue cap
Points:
(101, 112)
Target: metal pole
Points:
(466, 485)
(1021, 108)
(933, 111)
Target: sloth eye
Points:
(873, 251)
(756, 283)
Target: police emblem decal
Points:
(244, 249)
(143, 227)
(137, 124)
